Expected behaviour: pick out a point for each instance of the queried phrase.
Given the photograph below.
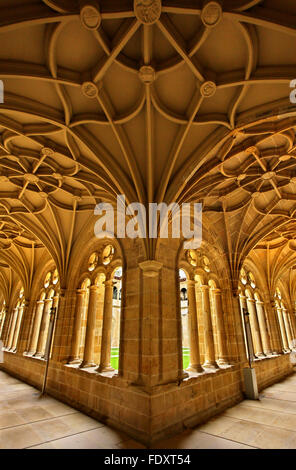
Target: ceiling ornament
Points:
(147, 11)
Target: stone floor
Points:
(28, 421)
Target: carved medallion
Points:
(208, 89)
(147, 74)
(90, 90)
(211, 14)
(90, 16)
(147, 11)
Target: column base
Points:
(85, 365)
(194, 368)
(38, 355)
(103, 368)
(222, 362)
(260, 355)
(210, 365)
(75, 360)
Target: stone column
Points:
(283, 330)
(275, 333)
(221, 334)
(6, 328)
(80, 297)
(208, 329)
(105, 364)
(243, 306)
(263, 327)
(12, 328)
(4, 319)
(42, 331)
(255, 328)
(88, 356)
(288, 327)
(194, 365)
(32, 349)
(17, 327)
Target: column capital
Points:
(81, 291)
(216, 290)
(204, 287)
(150, 268)
(259, 302)
(40, 301)
(109, 283)
(250, 300)
(94, 287)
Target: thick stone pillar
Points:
(88, 355)
(288, 327)
(263, 327)
(80, 298)
(105, 361)
(208, 329)
(194, 365)
(32, 349)
(221, 334)
(283, 330)
(12, 328)
(255, 330)
(43, 328)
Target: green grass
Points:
(186, 358)
(115, 357)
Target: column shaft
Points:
(43, 330)
(283, 329)
(194, 365)
(263, 327)
(12, 328)
(105, 362)
(80, 298)
(17, 328)
(208, 329)
(221, 334)
(288, 327)
(88, 356)
(255, 328)
(36, 327)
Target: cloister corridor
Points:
(28, 421)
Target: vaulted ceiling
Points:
(159, 100)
